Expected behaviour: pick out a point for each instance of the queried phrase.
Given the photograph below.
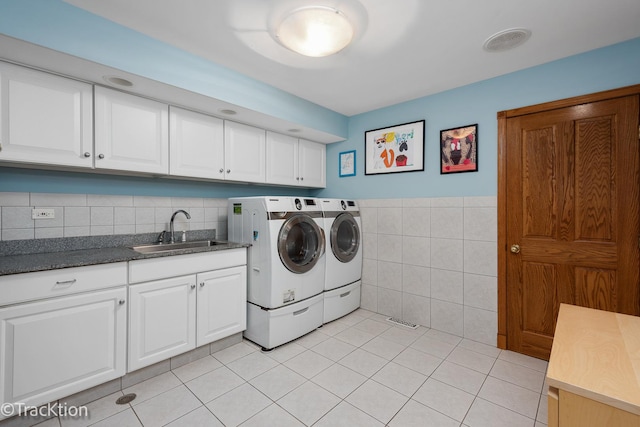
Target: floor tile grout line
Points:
(386, 362)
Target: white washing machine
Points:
(286, 265)
(342, 227)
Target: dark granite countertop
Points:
(26, 256)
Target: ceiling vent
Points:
(507, 39)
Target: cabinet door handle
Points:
(346, 294)
(202, 285)
(101, 156)
(121, 302)
(65, 283)
(193, 286)
(228, 170)
(87, 154)
(221, 170)
(301, 178)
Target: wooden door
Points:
(572, 218)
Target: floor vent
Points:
(402, 323)
(123, 400)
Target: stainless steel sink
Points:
(168, 247)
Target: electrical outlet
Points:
(39, 213)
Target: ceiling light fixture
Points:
(315, 31)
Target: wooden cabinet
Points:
(205, 302)
(131, 133)
(245, 153)
(196, 144)
(221, 304)
(592, 371)
(44, 118)
(291, 161)
(64, 333)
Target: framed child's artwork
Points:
(347, 163)
(394, 149)
(459, 149)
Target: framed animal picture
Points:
(398, 148)
(459, 149)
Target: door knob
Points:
(515, 249)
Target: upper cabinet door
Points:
(44, 119)
(312, 164)
(196, 144)
(244, 152)
(131, 133)
(282, 159)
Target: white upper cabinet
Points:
(312, 163)
(245, 150)
(196, 144)
(44, 119)
(282, 159)
(131, 133)
(295, 162)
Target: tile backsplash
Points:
(433, 262)
(97, 215)
(430, 261)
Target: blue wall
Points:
(40, 181)
(602, 69)
(57, 25)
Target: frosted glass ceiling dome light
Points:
(315, 31)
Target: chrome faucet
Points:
(172, 238)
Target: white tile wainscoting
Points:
(430, 261)
(433, 261)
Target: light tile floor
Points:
(356, 371)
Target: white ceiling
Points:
(404, 49)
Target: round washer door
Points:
(345, 237)
(300, 243)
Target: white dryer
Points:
(342, 227)
(286, 265)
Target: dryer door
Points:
(300, 243)
(345, 237)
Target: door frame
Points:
(502, 184)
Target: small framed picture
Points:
(347, 163)
(398, 148)
(459, 149)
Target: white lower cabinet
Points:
(167, 317)
(56, 347)
(162, 320)
(222, 304)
